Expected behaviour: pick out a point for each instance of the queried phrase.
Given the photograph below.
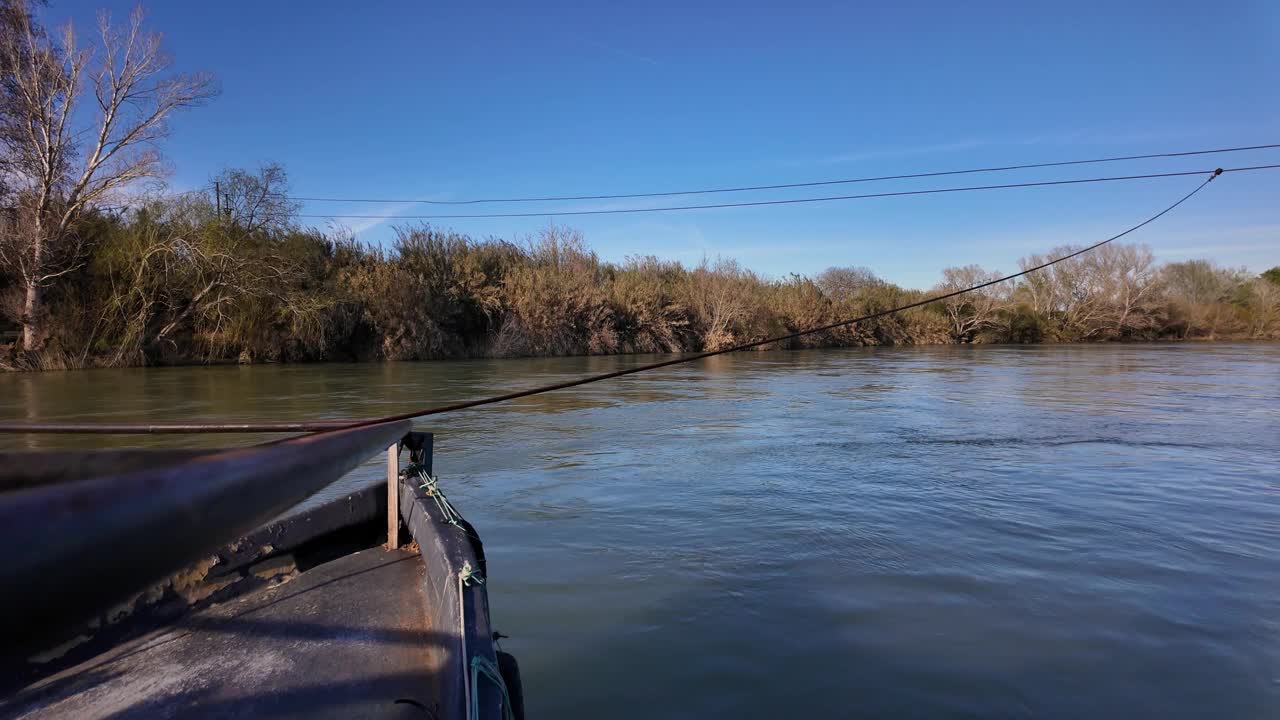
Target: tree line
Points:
(100, 267)
(175, 280)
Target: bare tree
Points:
(1263, 302)
(1201, 282)
(1128, 280)
(1201, 293)
(844, 283)
(81, 126)
(15, 23)
(720, 297)
(975, 311)
(1068, 293)
(236, 258)
(251, 202)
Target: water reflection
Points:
(971, 531)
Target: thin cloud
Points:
(386, 213)
(619, 52)
(389, 212)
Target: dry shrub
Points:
(435, 294)
(557, 303)
(798, 304)
(647, 316)
(392, 304)
(725, 304)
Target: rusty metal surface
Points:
(347, 639)
(78, 547)
(302, 539)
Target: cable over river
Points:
(1042, 531)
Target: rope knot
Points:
(468, 574)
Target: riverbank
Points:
(47, 362)
(172, 287)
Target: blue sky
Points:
(454, 100)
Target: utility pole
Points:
(217, 194)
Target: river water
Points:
(1071, 531)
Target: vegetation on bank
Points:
(93, 273)
(173, 281)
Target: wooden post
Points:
(393, 496)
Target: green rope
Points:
(432, 487)
(482, 665)
(468, 574)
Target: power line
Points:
(795, 201)
(244, 427)
(780, 338)
(783, 186)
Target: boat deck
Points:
(360, 647)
